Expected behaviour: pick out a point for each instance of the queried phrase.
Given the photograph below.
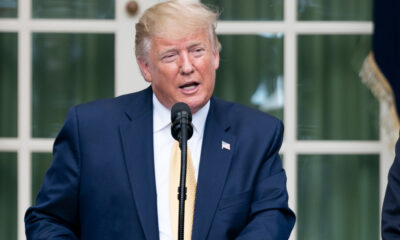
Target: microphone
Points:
(182, 131)
(181, 118)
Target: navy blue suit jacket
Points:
(391, 205)
(101, 184)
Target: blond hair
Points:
(175, 19)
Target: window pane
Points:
(8, 84)
(94, 9)
(8, 8)
(68, 69)
(251, 71)
(248, 10)
(338, 197)
(338, 10)
(40, 163)
(333, 103)
(8, 196)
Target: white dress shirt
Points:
(163, 143)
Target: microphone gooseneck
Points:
(182, 131)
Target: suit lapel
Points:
(214, 166)
(137, 138)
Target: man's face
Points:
(181, 70)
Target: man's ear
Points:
(144, 68)
(216, 59)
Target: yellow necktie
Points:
(174, 179)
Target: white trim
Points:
(387, 156)
(34, 144)
(290, 163)
(24, 114)
(334, 28)
(296, 147)
(290, 93)
(301, 147)
(338, 147)
(290, 119)
(224, 27)
(57, 25)
(127, 79)
(290, 11)
(236, 27)
(24, 189)
(24, 85)
(9, 144)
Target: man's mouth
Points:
(189, 86)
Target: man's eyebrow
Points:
(173, 49)
(195, 44)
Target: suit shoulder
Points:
(240, 114)
(110, 108)
(114, 103)
(108, 102)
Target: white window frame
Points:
(128, 79)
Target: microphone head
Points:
(181, 114)
(180, 108)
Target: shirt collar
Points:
(162, 117)
(199, 119)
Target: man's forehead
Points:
(167, 42)
(172, 47)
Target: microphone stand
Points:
(182, 130)
(182, 187)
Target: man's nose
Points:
(186, 67)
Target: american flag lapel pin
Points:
(226, 145)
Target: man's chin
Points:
(195, 103)
(194, 107)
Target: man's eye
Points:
(168, 58)
(198, 51)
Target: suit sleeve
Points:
(391, 204)
(270, 216)
(55, 215)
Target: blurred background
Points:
(297, 60)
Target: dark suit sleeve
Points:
(391, 204)
(55, 215)
(270, 216)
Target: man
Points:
(111, 169)
(391, 205)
